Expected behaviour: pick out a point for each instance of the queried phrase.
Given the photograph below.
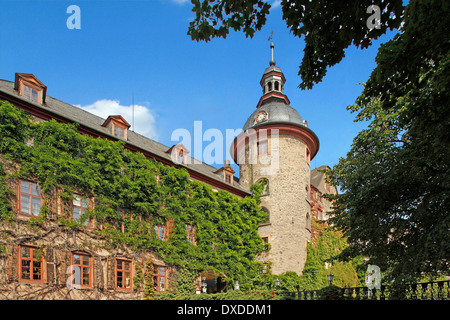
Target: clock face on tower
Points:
(261, 116)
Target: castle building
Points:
(276, 147)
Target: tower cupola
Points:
(272, 83)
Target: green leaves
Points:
(65, 162)
(215, 18)
(329, 26)
(395, 178)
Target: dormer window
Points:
(30, 88)
(227, 172)
(118, 126)
(178, 154)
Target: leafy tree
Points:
(395, 180)
(329, 26)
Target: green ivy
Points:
(65, 162)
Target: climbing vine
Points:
(128, 199)
(322, 259)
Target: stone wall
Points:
(287, 200)
(56, 244)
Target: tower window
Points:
(277, 85)
(308, 221)
(262, 147)
(269, 86)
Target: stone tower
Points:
(276, 145)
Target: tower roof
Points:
(273, 107)
(276, 112)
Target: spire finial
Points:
(272, 62)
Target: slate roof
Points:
(276, 112)
(317, 177)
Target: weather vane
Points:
(272, 62)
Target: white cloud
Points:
(180, 1)
(275, 4)
(144, 118)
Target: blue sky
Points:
(140, 48)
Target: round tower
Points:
(276, 145)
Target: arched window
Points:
(277, 85)
(268, 214)
(269, 86)
(265, 190)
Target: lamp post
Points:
(330, 278)
(277, 283)
(204, 285)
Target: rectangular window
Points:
(123, 274)
(180, 157)
(82, 261)
(30, 198)
(30, 94)
(30, 264)
(79, 207)
(227, 178)
(160, 231)
(119, 132)
(263, 147)
(159, 279)
(190, 233)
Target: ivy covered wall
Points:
(65, 162)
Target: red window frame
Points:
(123, 272)
(85, 268)
(28, 260)
(79, 204)
(160, 231)
(27, 192)
(159, 278)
